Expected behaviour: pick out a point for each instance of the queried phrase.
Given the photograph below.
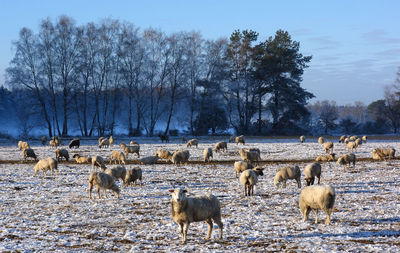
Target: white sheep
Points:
(192, 142)
(285, 173)
(131, 143)
(325, 158)
(241, 166)
(207, 154)
(364, 138)
(130, 149)
(133, 175)
(163, 154)
(347, 159)
(23, 145)
(249, 156)
(104, 143)
(221, 146)
(46, 164)
(317, 197)
(257, 150)
(351, 146)
(102, 181)
(52, 143)
(28, 152)
(98, 161)
(240, 139)
(342, 138)
(82, 159)
(321, 140)
(346, 140)
(353, 138)
(117, 156)
(149, 159)
(62, 153)
(180, 156)
(302, 138)
(111, 140)
(311, 171)
(328, 147)
(117, 172)
(249, 179)
(383, 153)
(202, 208)
(358, 142)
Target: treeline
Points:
(99, 77)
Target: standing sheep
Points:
(163, 154)
(317, 197)
(43, 139)
(249, 156)
(232, 139)
(131, 143)
(62, 153)
(74, 143)
(117, 172)
(358, 142)
(28, 152)
(286, 173)
(117, 156)
(351, 146)
(23, 145)
(207, 154)
(98, 161)
(240, 139)
(328, 147)
(342, 138)
(102, 181)
(180, 156)
(311, 171)
(347, 159)
(192, 142)
(101, 139)
(53, 144)
(133, 175)
(104, 143)
(302, 139)
(111, 140)
(163, 138)
(249, 179)
(46, 164)
(241, 166)
(321, 140)
(202, 208)
(364, 138)
(222, 145)
(130, 149)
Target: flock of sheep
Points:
(207, 208)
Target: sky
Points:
(355, 44)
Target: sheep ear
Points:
(171, 190)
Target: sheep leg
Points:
(220, 225)
(298, 182)
(306, 211)
(245, 190)
(284, 184)
(210, 227)
(98, 192)
(316, 215)
(328, 216)
(90, 190)
(185, 229)
(319, 178)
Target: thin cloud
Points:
(380, 36)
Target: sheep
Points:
(104, 143)
(364, 138)
(163, 154)
(46, 164)
(207, 154)
(311, 171)
(351, 146)
(163, 138)
(202, 208)
(192, 142)
(55, 141)
(43, 139)
(347, 159)
(317, 197)
(257, 150)
(180, 156)
(222, 145)
(52, 143)
(23, 145)
(383, 153)
(249, 156)
(346, 140)
(325, 158)
(117, 172)
(98, 161)
(74, 143)
(132, 175)
(358, 142)
(62, 153)
(240, 139)
(149, 159)
(111, 140)
(342, 138)
(328, 146)
(286, 173)
(302, 138)
(102, 181)
(249, 179)
(183, 140)
(241, 166)
(130, 149)
(117, 156)
(101, 139)
(82, 159)
(28, 152)
(131, 143)
(232, 139)
(321, 140)
(353, 138)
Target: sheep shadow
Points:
(360, 234)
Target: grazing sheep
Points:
(28, 152)
(111, 140)
(302, 138)
(353, 138)
(249, 156)
(149, 159)
(82, 159)
(46, 164)
(117, 156)
(52, 143)
(23, 145)
(102, 181)
(325, 158)
(164, 138)
(342, 138)
(311, 171)
(202, 208)
(317, 197)
(98, 161)
(74, 143)
(104, 143)
(351, 146)
(347, 140)
(180, 156)
(131, 143)
(222, 145)
(101, 139)
(347, 159)
(55, 141)
(62, 153)
(358, 142)
(328, 147)
(130, 149)
(249, 179)
(117, 172)
(241, 166)
(286, 173)
(364, 138)
(321, 140)
(192, 142)
(207, 154)
(383, 153)
(133, 175)
(232, 139)
(43, 139)
(240, 139)
(163, 154)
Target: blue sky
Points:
(355, 44)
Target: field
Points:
(55, 213)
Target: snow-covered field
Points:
(55, 213)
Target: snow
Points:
(55, 213)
